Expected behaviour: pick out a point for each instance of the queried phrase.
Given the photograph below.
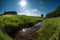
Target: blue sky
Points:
(33, 7)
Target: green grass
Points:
(50, 30)
(4, 36)
(9, 23)
(14, 21)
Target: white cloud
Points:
(41, 2)
(33, 12)
(26, 11)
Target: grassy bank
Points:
(4, 36)
(50, 30)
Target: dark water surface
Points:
(26, 33)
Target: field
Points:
(50, 30)
(9, 24)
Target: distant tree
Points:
(10, 12)
(42, 15)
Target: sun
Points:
(23, 3)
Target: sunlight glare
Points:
(23, 30)
(23, 3)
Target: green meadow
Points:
(49, 31)
(10, 23)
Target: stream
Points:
(26, 33)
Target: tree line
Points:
(55, 13)
(14, 13)
(9, 12)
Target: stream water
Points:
(25, 33)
